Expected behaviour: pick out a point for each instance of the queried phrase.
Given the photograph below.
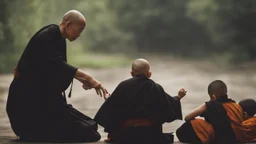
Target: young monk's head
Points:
(141, 67)
(249, 107)
(217, 89)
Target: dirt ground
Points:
(171, 74)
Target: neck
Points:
(222, 97)
(140, 75)
(62, 30)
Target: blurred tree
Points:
(181, 27)
(231, 24)
(19, 21)
(239, 18)
(161, 26)
(6, 35)
(102, 33)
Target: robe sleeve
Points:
(174, 108)
(59, 73)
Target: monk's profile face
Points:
(72, 25)
(73, 30)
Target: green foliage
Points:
(195, 28)
(239, 18)
(101, 33)
(231, 24)
(7, 62)
(161, 26)
(96, 60)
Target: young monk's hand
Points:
(182, 92)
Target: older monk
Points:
(36, 105)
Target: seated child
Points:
(196, 131)
(136, 110)
(222, 113)
(249, 109)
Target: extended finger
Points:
(106, 96)
(97, 91)
(100, 91)
(105, 92)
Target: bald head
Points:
(140, 67)
(248, 106)
(74, 16)
(72, 25)
(217, 88)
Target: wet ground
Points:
(171, 74)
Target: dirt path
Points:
(172, 75)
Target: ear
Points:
(245, 115)
(149, 74)
(132, 73)
(213, 97)
(68, 23)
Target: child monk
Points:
(249, 109)
(136, 110)
(223, 117)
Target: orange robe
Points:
(245, 132)
(203, 130)
(250, 123)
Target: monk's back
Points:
(235, 114)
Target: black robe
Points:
(138, 97)
(217, 116)
(36, 105)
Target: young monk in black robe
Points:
(221, 113)
(36, 105)
(136, 110)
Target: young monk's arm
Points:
(196, 112)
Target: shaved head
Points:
(72, 25)
(74, 16)
(140, 67)
(248, 106)
(217, 88)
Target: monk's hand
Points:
(182, 92)
(107, 96)
(100, 90)
(86, 86)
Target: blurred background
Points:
(195, 29)
(189, 43)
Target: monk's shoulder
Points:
(136, 80)
(48, 32)
(126, 81)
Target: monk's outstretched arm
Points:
(196, 112)
(82, 76)
(89, 82)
